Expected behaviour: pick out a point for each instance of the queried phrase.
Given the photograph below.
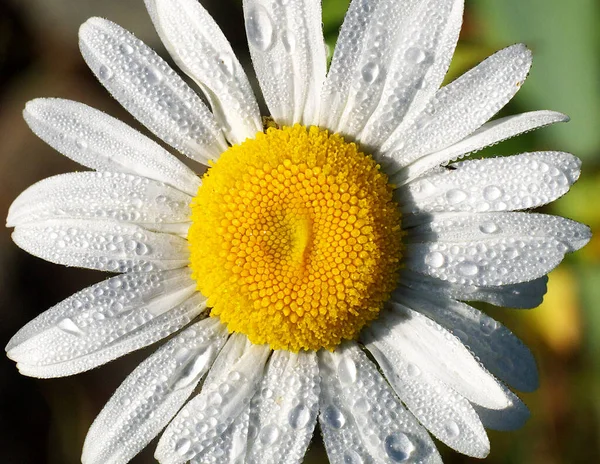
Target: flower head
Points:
(319, 268)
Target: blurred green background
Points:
(45, 421)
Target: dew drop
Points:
(259, 28)
(269, 434)
(468, 268)
(334, 417)
(67, 325)
(153, 75)
(352, 457)
(451, 428)
(289, 42)
(398, 447)
(511, 253)
(194, 369)
(455, 196)
(126, 49)
(183, 446)
(413, 370)
(487, 325)
(492, 193)
(82, 144)
(489, 227)
(225, 61)
(347, 371)
(105, 73)
(369, 72)
(299, 416)
(361, 405)
(435, 259)
(415, 55)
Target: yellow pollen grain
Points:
(295, 239)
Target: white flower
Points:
(293, 239)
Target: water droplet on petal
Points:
(299, 416)
(492, 193)
(269, 434)
(82, 144)
(183, 446)
(225, 61)
(487, 325)
(153, 75)
(455, 196)
(105, 73)
(352, 457)
(451, 428)
(468, 268)
(347, 371)
(369, 72)
(334, 417)
(435, 259)
(413, 370)
(68, 325)
(489, 227)
(398, 447)
(289, 41)
(415, 55)
(259, 28)
(126, 49)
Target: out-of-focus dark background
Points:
(45, 421)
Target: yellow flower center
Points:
(295, 239)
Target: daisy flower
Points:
(319, 268)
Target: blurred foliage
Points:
(45, 421)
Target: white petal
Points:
(523, 295)
(413, 70)
(506, 183)
(370, 30)
(102, 245)
(492, 249)
(230, 446)
(225, 395)
(426, 344)
(461, 107)
(105, 321)
(512, 417)
(288, 53)
(102, 195)
(489, 134)
(503, 354)
(361, 419)
(201, 50)
(152, 394)
(284, 411)
(150, 90)
(101, 142)
(445, 413)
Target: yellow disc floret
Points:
(295, 239)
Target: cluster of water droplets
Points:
(150, 90)
(102, 245)
(286, 45)
(520, 295)
(361, 419)
(496, 347)
(106, 196)
(493, 249)
(215, 423)
(283, 412)
(153, 393)
(107, 320)
(494, 184)
(461, 107)
(101, 142)
(445, 413)
(416, 64)
(203, 52)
